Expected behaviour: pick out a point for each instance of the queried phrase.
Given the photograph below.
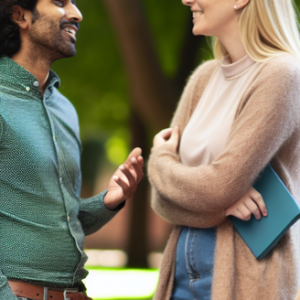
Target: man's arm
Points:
(96, 211)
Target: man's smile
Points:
(71, 30)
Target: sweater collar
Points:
(237, 68)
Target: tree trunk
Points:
(153, 99)
(137, 240)
(152, 96)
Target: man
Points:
(43, 221)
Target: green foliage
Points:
(95, 81)
(168, 21)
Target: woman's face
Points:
(213, 17)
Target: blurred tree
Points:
(127, 105)
(133, 59)
(154, 92)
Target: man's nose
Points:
(73, 13)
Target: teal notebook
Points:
(262, 235)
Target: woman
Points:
(237, 113)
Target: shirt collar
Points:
(236, 68)
(54, 79)
(21, 78)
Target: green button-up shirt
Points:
(43, 220)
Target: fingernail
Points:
(122, 168)
(116, 177)
(133, 160)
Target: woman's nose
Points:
(188, 2)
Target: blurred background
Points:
(133, 60)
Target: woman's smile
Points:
(197, 13)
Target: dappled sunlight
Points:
(116, 149)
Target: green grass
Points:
(121, 283)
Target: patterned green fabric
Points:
(43, 221)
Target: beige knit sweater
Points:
(266, 128)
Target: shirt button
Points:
(36, 83)
(54, 138)
(68, 218)
(27, 89)
(60, 179)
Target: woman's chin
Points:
(197, 30)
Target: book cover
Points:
(262, 235)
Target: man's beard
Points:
(47, 38)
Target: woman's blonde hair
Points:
(267, 28)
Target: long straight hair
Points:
(267, 28)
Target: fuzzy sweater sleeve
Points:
(198, 196)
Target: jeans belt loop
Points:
(45, 297)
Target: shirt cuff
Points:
(93, 214)
(119, 207)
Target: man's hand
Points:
(251, 203)
(125, 180)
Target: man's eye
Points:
(59, 3)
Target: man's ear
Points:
(20, 16)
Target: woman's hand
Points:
(168, 136)
(251, 203)
(125, 180)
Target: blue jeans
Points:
(194, 264)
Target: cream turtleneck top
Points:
(206, 133)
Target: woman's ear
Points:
(19, 16)
(240, 4)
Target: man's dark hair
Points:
(10, 40)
